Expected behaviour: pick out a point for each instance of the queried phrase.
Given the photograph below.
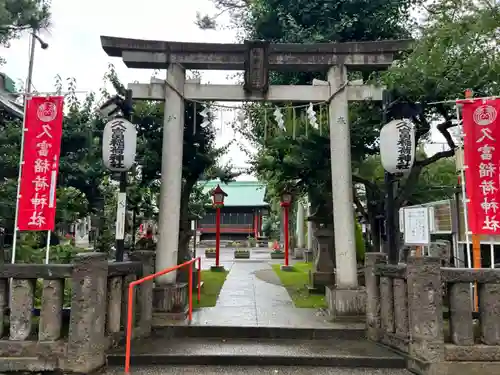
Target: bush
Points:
(59, 254)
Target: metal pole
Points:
(390, 208)
(29, 80)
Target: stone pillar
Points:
(324, 266)
(309, 229)
(171, 174)
(145, 291)
(300, 225)
(425, 306)
(340, 149)
(87, 342)
(373, 323)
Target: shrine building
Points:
(241, 215)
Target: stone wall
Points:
(406, 310)
(82, 312)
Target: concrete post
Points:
(425, 306)
(309, 229)
(145, 291)
(373, 319)
(300, 225)
(87, 342)
(340, 149)
(171, 174)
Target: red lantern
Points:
(218, 196)
(286, 199)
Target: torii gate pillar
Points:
(345, 299)
(171, 173)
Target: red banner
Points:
(42, 146)
(481, 123)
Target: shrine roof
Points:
(240, 193)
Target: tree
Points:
(302, 162)
(457, 50)
(19, 15)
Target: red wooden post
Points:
(286, 199)
(218, 201)
(217, 236)
(286, 235)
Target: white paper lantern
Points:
(397, 146)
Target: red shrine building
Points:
(242, 213)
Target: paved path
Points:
(247, 300)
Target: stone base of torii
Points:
(257, 59)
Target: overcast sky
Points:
(75, 48)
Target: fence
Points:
(426, 312)
(65, 317)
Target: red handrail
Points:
(130, 301)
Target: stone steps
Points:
(253, 370)
(344, 332)
(208, 351)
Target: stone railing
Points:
(81, 312)
(406, 304)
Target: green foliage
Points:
(296, 282)
(29, 252)
(457, 50)
(85, 187)
(18, 15)
(212, 284)
(252, 241)
(436, 182)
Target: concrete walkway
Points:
(247, 300)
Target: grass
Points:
(212, 284)
(295, 283)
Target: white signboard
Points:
(120, 216)
(119, 143)
(417, 230)
(397, 146)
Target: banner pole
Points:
(47, 250)
(19, 176)
(464, 198)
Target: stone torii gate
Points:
(257, 59)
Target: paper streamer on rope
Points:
(311, 115)
(205, 113)
(278, 116)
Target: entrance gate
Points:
(257, 59)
